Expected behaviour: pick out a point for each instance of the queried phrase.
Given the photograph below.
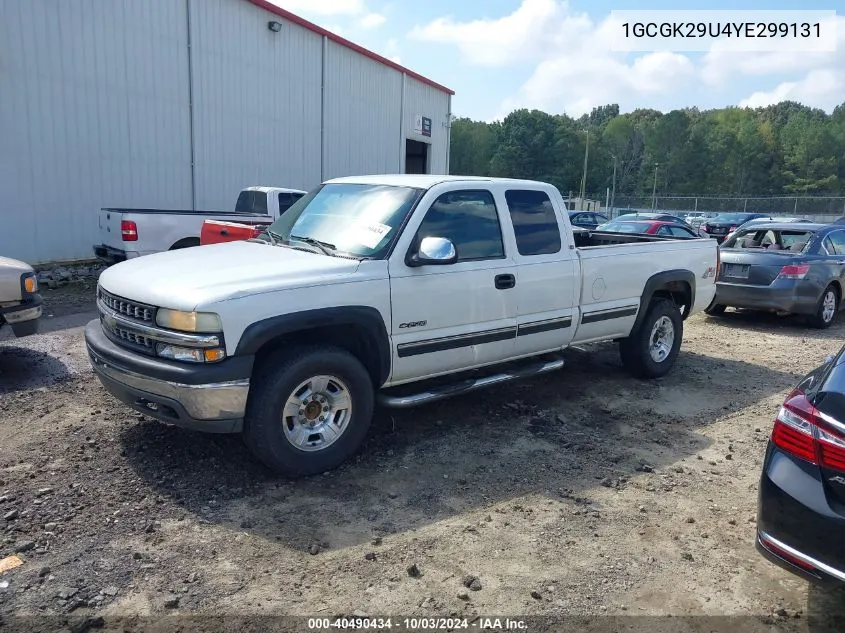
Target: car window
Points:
(251, 202)
(285, 202)
(580, 217)
(837, 238)
(599, 218)
(679, 231)
(470, 220)
(664, 231)
(534, 222)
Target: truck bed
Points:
(590, 239)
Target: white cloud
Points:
(823, 88)
(372, 20)
(535, 27)
(575, 68)
(323, 7)
(391, 51)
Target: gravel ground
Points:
(585, 493)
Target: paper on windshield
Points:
(370, 234)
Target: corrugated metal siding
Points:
(434, 104)
(256, 102)
(363, 114)
(93, 110)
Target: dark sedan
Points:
(787, 268)
(725, 223)
(586, 219)
(801, 498)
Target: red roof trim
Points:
(287, 15)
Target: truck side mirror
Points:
(433, 251)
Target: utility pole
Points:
(613, 192)
(584, 177)
(654, 188)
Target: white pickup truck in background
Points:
(129, 233)
(397, 290)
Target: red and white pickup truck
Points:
(129, 233)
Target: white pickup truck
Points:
(396, 290)
(129, 233)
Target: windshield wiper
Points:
(324, 247)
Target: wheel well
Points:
(679, 292)
(837, 288)
(354, 340)
(186, 242)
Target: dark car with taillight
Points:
(788, 268)
(725, 223)
(587, 219)
(801, 499)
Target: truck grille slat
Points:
(131, 309)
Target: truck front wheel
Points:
(650, 351)
(309, 409)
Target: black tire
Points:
(276, 379)
(188, 242)
(635, 350)
(818, 320)
(715, 309)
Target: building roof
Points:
(287, 15)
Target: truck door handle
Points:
(503, 282)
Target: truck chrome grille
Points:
(131, 309)
(124, 335)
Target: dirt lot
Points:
(585, 493)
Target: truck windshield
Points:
(361, 220)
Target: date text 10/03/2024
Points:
(417, 624)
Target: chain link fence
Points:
(816, 208)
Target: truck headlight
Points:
(188, 321)
(190, 354)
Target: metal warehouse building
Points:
(180, 104)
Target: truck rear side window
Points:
(470, 220)
(251, 202)
(534, 222)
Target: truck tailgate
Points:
(109, 221)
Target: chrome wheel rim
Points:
(662, 339)
(317, 413)
(828, 306)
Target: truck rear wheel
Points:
(309, 409)
(650, 350)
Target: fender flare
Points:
(366, 319)
(658, 281)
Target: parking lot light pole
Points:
(654, 188)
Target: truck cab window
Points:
(470, 220)
(534, 222)
(285, 202)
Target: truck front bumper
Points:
(23, 317)
(207, 398)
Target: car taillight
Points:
(801, 430)
(129, 231)
(793, 271)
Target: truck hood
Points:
(188, 278)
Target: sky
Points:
(556, 56)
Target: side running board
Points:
(465, 386)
